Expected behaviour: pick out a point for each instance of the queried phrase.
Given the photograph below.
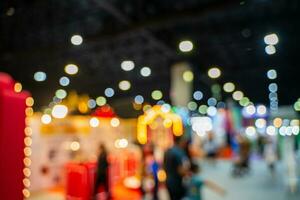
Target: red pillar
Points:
(12, 125)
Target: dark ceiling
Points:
(35, 35)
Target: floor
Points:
(258, 185)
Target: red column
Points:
(12, 124)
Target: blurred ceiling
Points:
(35, 36)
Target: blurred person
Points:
(241, 166)
(102, 173)
(195, 184)
(211, 148)
(270, 155)
(176, 166)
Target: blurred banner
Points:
(12, 125)
(180, 89)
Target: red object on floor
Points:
(12, 125)
(80, 180)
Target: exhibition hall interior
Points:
(149, 100)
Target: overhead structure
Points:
(173, 121)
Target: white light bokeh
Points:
(186, 46)
(59, 111)
(271, 39)
(270, 49)
(124, 85)
(94, 122)
(127, 65)
(145, 71)
(46, 119)
(76, 40)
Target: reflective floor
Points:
(258, 185)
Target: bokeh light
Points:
(109, 92)
(139, 99)
(237, 95)
(192, 106)
(101, 101)
(114, 122)
(46, 119)
(229, 87)
(211, 111)
(94, 122)
(188, 76)
(270, 49)
(273, 87)
(271, 39)
(250, 131)
(156, 94)
(272, 74)
(271, 130)
(214, 72)
(212, 101)
(277, 122)
(71, 69)
(124, 85)
(61, 93)
(198, 95)
(260, 123)
(18, 87)
(59, 111)
(76, 40)
(145, 71)
(92, 103)
(261, 110)
(203, 109)
(127, 65)
(186, 46)
(40, 76)
(64, 81)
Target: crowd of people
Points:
(183, 179)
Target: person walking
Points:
(102, 173)
(176, 165)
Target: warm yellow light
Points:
(75, 146)
(124, 85)
(101, 101)
(28, 131)
(18, 87)
(157, 94)
(277, 122)
(26, 172)
(214, 72)
(137, 106)
(26, 182)
(237, 95)
(161, 175)
(149, 117)
(229, 87)
(188, 76)
(29, 101)
(46, 119)
(27, 151)
(27, 141)
(29, 112)
(83, 107)
(186, 46)
(167, 123)
(27, 162)
(59, 111)
(114, 122)
(26, 193)
(71, 69)
(146, 107)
